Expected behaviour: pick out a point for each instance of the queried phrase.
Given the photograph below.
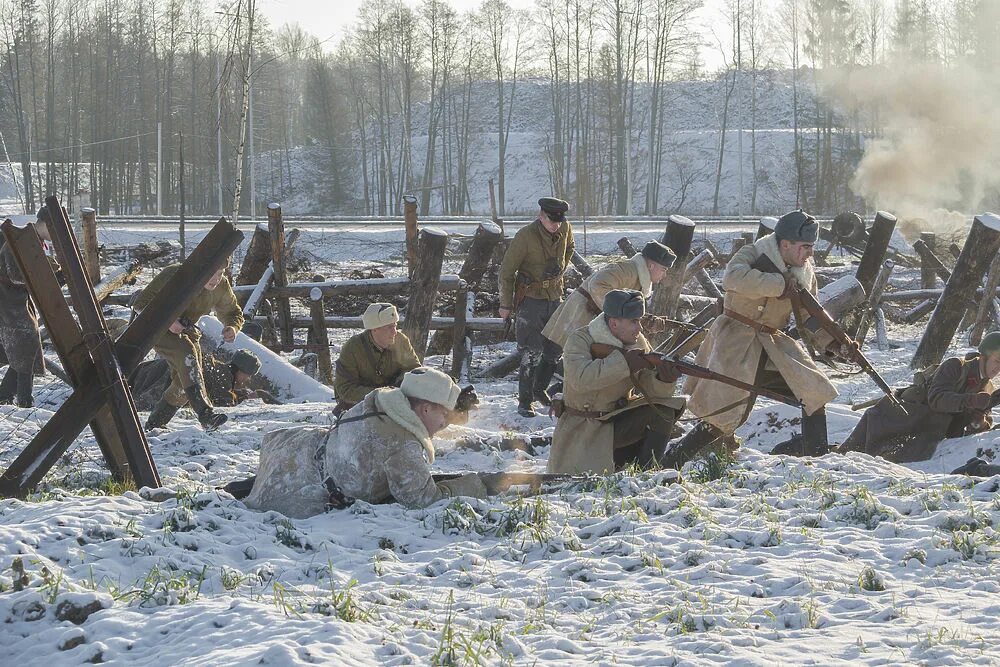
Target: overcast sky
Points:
(330, 18)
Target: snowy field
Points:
(772, 560)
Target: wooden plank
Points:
(91, 259)
(276, 227)
(321, 336)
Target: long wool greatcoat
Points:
(537, 256)
(733, 348)
(575, 311)
(383, 457)
(583, 445)
(935, 407)
(362, 366)
(20, 342)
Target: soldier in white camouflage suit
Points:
(378, 451)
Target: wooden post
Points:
(930, 262)
(980, 250)
(881, 336)
(276, 228)
(321, 336)
(488, 236)
(464, 305)
(738, 244)
(424, 286)
(874, 299)
(101, 347)
(749, 238)
(987, 305)
(116, 279)
(90, 250)
(493, 206)
(503, 366)
(251, 300)
(969, 320)
(627, 247)
(766, 226)
(677, 236)
(927, 272)
(83, 405)
(700, 262)
(410, 221)
(257, 258)
(875, 249)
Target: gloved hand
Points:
(467, 399)
(636, 360)
(980, 402)
(847, 351)
(666, 371)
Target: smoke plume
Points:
(938, 157)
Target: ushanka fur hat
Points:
(378, 315)
(430, 384)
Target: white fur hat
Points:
(378, 315)
(432, 385)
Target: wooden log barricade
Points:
(117, 279)
(257, 258)
(410, 225)
(97, 365)
(928, 272)
(251, 300)
(321, 336)
(461, 348)
(423, 291)
(367, 287)
(987, 306)
(980, 249)
(870, 312)
(626, 247)
(871, 260)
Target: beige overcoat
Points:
(574, 312)
(582, 445)
(733, 348)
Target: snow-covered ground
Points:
(829, 560)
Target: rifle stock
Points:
(498, 482)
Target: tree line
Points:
(400, 104)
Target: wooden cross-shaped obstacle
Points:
(96, 365)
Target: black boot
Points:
(686, 448)
(207, 417)
(240, 488)
(161, 414)
(652, 449)
(542, 377)
(25, 384)
(8, 386)
(812, 441)
(525, 393)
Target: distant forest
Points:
(86, 83)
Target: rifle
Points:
(655, 359)
(520, 291)
(820, 319)
(656, 324)
(498, 482)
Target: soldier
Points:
(945, 401)
(227, 384)
(20, 341)
(377, 357)
(746, 343)
(180, 346)
(531, 286)
(603, 423)
(378, 451)
(641, 272)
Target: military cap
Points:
(379, 315)
(624, 303)
(430, 384)
(990, 343)
(555, 208)
(797, 227)
(246, 361)
(659, 253)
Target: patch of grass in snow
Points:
(483, 646)
(870, 579)
(163, 586)
(918, 554)
(715, 464)
(866, 510)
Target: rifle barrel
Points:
(698, 371)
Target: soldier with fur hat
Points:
(531, 288)
(951, 399)
(227, 383)
(746, 343)
(376, 357)
(641, 272)
(615, 409)
(379, 451)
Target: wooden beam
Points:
(874, 298)
(460, 339)
(987, 307)
(627, 247)
(92, 261)
(412, 234)
(980, 249)
(321, 336)
(928, 273)
(388, 286)
(276, 227)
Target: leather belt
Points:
(586, 414)
(592, 306)
(757, 326)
